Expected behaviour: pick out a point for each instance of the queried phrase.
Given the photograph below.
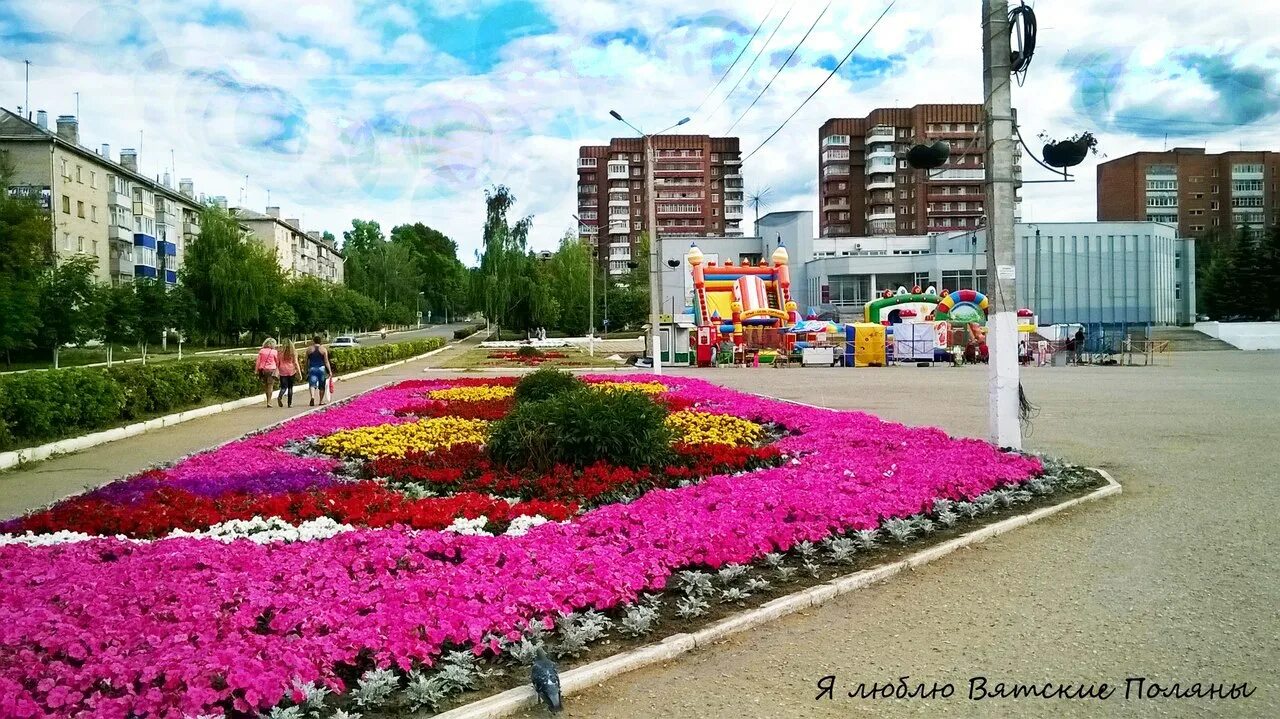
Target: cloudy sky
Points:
(406, 111)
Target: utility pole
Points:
(1002, 320)
(27, 99)
(655, 256)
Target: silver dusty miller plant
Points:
(731, 573)
(902, 530)
(842, 549)
(694, 583)
(866, 538)
(690, 607)
(638, 620)
(374, 688)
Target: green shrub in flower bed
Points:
(580, 427)
(545, 383)
(38, 407)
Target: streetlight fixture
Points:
(655, 241)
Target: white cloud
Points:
(344, 110)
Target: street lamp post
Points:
(655, 241)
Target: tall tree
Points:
(506, 273)
(70, 310)
(155, 313)
(384, 271)
(231, 277)
(119, 316)
(25, 233)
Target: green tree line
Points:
(230, 289)
(519, 289)
(1239, 275)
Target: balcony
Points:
(733, 213)
(120, 234)
(735, 175)
(586, 163)
(732, 160)
(588, 230)
(619, 228)
(835, 141)
(880, 182)
(618, 171)
(835, 205)
(881, 213)
(835, 171)
(967, 197)
(619, 201)
(880, 152)
(677, 168)
(835, 156)
(121, 264)
(880, 133)
(120, 200)
(959, 175)
(190, 228)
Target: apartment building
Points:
(698, 192)
(134, 226)
(1193, 190)
(299, 253)
(866, 187)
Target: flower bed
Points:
(390, 558)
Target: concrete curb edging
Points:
(581, 678)
(17, 457)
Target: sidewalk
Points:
(27, 488)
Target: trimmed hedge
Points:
(464, 332)
(38, 407)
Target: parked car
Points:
(345, 341)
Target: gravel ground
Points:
(1177, 579)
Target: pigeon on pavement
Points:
(546, 681)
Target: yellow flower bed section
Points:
(397, 440)
(704, 428)
(472, 394)
(646, 387)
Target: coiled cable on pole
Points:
(1022, 27)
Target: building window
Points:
(1177, 290)
(79, 208)
(93, 213)
(66, 205)
(65, 172)
(1213, 205)
(79, 174)
(1213, 189)
(1197, 228)
(80, 243)
(635, 198)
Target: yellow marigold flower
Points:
(397, 440)
(705, 428)
(472, 394)
(646, 387)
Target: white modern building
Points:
(1074, 272)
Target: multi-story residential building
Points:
(866, 187)
(1191, 189)
(134, 226)
(697, 184)
(299, 253)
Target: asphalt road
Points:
(445, 331)
(1175, 580)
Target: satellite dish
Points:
(928, 157)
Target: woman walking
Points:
(319, 369)
(287, 364)
(267, 367)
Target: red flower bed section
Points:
(364, 504)
(466, 468)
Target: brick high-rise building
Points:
(1192, 189)
(697, 178)
(866, 187)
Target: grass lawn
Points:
(81, 356)
(479, 358)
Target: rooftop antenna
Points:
(759, 199)
(28, 94)
(77, 105)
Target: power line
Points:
(825, 80)
(736, 59)
(781, 67)
(753, 60)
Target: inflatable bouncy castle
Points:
(730, 300)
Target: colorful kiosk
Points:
(744, 304)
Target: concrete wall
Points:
(1244, 335)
